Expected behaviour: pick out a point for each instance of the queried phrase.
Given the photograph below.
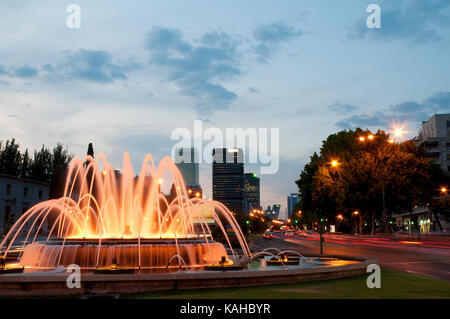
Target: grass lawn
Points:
(394, 284)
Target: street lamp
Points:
(356, 214)
(443, 190)
(334, 163)
(399, 132)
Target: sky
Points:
(133, 73)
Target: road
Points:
(430, 258)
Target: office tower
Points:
(228, 178)
(276, 209)
(291, 201)
(251, 191)
(187, 161)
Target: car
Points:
(267, 236)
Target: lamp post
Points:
(321, 235)
(356, 214)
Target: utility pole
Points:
(321, 236)
(384, 203)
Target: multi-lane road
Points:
(425, 256)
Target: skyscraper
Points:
(252, 190)
(186, 160)
(228, 178)
(276, 209)
(291, 201)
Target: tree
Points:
(60, 162)
(41, 167)
(90, 150)
(25, 165)
(10, 158)
(373, 177)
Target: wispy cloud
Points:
(197, 69)
(26, 72)
(340, 107)
(13, 115)
(270, 36)
(97, 66)
(405, 111)
(253, 90)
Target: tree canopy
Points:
(352, 172)
(48, 166)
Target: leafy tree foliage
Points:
(364, 171)
(10, 158)
(45, 166)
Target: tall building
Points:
(273, 212)
(17, 195)
(228, 178)
(434, 138)
(276, 209)
(291, 201)
(251, 191)
(187, 161)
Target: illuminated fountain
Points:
(110, 219)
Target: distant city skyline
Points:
(133, 73)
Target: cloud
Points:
(13, 115)
(197, 69)
(405, 111)
(339, 107)
(414, 20)
(440, 102)
(364, 120)
(253, 90)
(97, 66)
(270, 37)
(26, 72)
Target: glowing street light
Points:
(334, 163)
(362, 138)
(160, 181)
(355, 213)
(399, 132)
(370, 137)
(443, 190)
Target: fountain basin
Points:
(93, 284)
(128, 253)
